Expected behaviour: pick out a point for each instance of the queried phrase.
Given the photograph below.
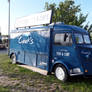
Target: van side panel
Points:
(15, 47)
(31, 48)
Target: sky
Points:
(20, 8)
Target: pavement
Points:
(3, 51)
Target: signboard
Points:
(35, 19)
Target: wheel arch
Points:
(12, 54)
(60, 63)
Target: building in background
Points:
(3, 41)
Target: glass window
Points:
(82, 39)
(79, 38)
(86, 39)
(64, 39)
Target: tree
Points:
(68, 12)
(0, 34)
(88, 27)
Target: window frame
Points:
(69, 39)
(82, 38)
(75, 38)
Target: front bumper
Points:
(76, 74)
(76, 71)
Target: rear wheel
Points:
(61, 73)
(13, 58)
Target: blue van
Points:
(63, 49)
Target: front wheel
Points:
(13, 58)
(61, 73)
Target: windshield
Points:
(86, 39)
(82, 39)
(79, 38)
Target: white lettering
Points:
(25, 41)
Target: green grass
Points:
(35, 80)
(4, 89)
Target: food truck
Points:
(64, 50)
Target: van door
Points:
(84, 51)
(63, 48)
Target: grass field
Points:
(17, 79)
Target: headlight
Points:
(75, 70)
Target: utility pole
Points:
(0, 30)
(8, 26)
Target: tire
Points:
(61, 72)
(13, 58)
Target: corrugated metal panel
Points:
(42, 60)
(30, 59)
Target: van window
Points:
(63, 39)
(82, 39)
(86, 39)
(79, 38)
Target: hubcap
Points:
(60, 74)
(13, 59)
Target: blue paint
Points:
(36, 47)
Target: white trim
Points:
(35, 69)
(81, 73)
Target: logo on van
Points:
(25, 40)
(63, 52)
